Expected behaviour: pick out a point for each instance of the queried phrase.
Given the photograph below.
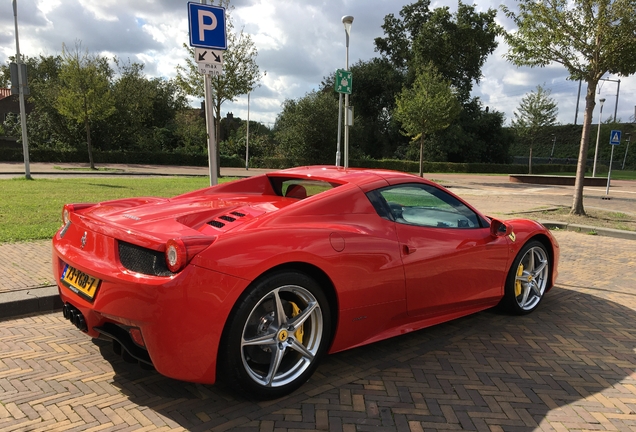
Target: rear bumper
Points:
(181, 318)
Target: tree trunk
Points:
(87, 125)
(530, 160)
(421, 155)
(577, 202)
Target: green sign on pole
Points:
(344, 81)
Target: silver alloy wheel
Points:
(531, 278)
(281, 336)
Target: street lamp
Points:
(627, 140)
(247, 136)
(598, 134)
(553, 142)
(22, 83)
(347, 20)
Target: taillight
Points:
(70, 208)
(180, 251)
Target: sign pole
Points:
(209, 124)
(207, 30)
(609, 173)
(615, 139)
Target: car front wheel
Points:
(527, 279)
(276, 335)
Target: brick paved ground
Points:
(571, 365)
(26, 265)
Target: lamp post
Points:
(21, 85)
(598, 134)
(247, 136)
(347, 20)
(627, 148)
(553, 143)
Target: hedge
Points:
(183, 159)
(100, 157)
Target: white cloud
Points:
(298, 43)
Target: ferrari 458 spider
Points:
(255, 280)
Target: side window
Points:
(423, 205)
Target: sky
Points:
(298, 42)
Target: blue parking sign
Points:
(207, 26)
(615, 137)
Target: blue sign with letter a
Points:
(207, 26)
(615, 137)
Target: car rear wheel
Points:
(276, 335)
(527, 279)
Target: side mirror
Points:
(499, 229)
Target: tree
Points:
(457, 44)
(47, 127)
(84, 95)
(240, 71)
(536, 112)
(400, 32)
(305, 129)
(146, 109)
(427, 107)
(477, 135)
(588, 37)
(374, 133)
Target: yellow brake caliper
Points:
(518, 282)
(299, 333)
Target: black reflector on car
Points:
(141, 260)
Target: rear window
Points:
(299, 188)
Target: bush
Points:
(117, 157)
(186, 159)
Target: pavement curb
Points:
(585, 229)
(28, 301)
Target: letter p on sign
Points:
(207, 26)
(202, 22)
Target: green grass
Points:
(32, 209)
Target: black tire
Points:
(527, 280)
(264, 349)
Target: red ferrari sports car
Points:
(255, 280)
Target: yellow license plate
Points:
(80, 282)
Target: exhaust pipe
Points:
(74, 315)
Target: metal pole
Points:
(598, 134)
(209, 124)
(339, 129)
(347, 20)
(578, 97)
(609, 174)
(553, 143)
(247, 138)
(626, 149)
(21, 85)
(346, 112)
(618, 90)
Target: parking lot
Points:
(571, 365)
